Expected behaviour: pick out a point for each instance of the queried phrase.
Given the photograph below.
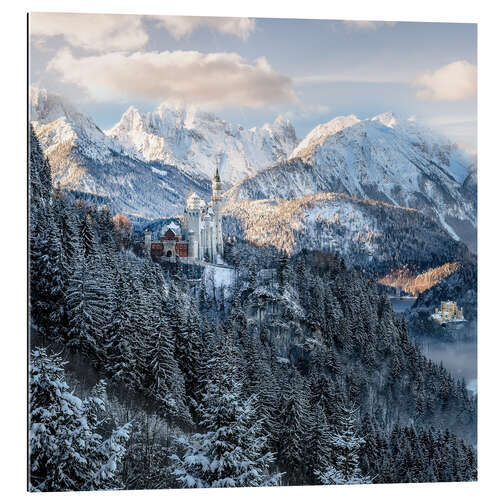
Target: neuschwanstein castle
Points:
(200, 238)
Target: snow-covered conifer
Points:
(67, 452)
(347, 444)
(231, 452)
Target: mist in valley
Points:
(458, 356)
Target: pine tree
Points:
(231, 451)
(252, 274)
(346, 443)
(120, 357)
(186, 329)
(106, 455)
(283, 270)
(40, 178)
(67, 453)
(259, 382)
(203, 301)
(47, 278)
(319, 448)
(293, 427)
(46, 270)
(87, 310)
(322, 394)
(165, 381)
(88, 238)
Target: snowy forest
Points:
(297, 373)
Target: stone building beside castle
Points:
(200, 237)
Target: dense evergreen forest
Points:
(297, 373)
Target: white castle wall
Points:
(202, 228)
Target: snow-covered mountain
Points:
(85, 160)
(58, 123)
(197, 141)
(384, 158)
(146, 164)
(318, 134)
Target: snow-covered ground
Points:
(219, 276)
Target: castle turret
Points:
(216, 187)
(147, 241)
(193, 225)
(216, 206)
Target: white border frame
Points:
(13, 198)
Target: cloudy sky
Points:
(250, 70)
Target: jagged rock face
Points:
(385, 159)
(197, 141)
(59, 125)
(85, 160)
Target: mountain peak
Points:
(320, 133)
(132, 119)
(182, 134)
(281, 121)
(65, 122)
(46, 107)
(131, 111)
(389, 119)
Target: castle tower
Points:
(192, 218)
(216, 205)
(147, 241)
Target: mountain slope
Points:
(197, 141)
(384, 159)
(369, 235)
(460, 286)
(85, 160)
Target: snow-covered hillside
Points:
(197, 141)
(368, 234)
(85, 160)
(383, 158)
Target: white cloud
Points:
(95, 32)
(368, 25)
(182, 26)
(118, 32)
(461, 129)
(355, 75)
(214, 80)
(452, 82)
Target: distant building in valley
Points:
(448, 313)
(200, 238)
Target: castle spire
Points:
(220, 156)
